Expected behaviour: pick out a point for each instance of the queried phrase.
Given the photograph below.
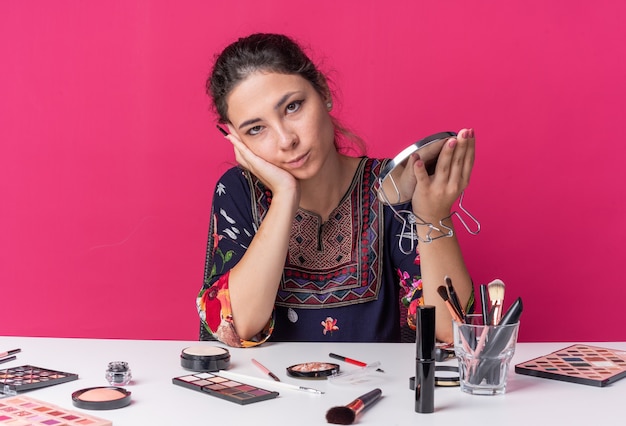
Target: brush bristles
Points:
(496, 291)
(443, 292)
(340, 416)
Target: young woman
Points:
(300, 247)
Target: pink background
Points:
(109, 154)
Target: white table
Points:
(156, 401)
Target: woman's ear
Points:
(325, 91)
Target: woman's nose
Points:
(287, 138)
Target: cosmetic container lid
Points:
(205, 358)
(425, 333)
(118, 373)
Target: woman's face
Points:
(284, 120)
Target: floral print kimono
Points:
(345, 280)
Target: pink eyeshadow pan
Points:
(246, 388)
(216, 386)
(231, 384)
(70, 417)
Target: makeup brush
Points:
(456, 316)
(454, 299)
(346, 415)
(496, 295)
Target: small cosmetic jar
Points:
(101, 398)
(205, 358)
(313, 370)
(118, 373)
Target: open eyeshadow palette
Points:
(28, 377)
(224, 388)
(588, 365)
(23, 411)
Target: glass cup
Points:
(484, 353)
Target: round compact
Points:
(205, 358)
(445, 376)
(313, 370)
(101, 398)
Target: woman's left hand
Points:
(434, 195)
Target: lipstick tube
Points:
(425, 360)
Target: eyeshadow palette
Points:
(27, 377)
(25, 411)
(588, 365)
(221, 387)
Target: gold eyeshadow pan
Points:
(584, 364)
(220, 387)
(23, 410)
(28, 377)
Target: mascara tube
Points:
(425, 360)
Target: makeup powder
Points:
(205, 358)
(101, 398)
(313, 370)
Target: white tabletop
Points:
(156, 401)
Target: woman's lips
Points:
(298, 161)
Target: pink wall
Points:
(109, 155)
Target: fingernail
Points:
(466, 134)
(452, 143)
(471, 131)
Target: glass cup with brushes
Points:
(484, 344)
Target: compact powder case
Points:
(448, 378)
(101, 398)
(205, 358)
(313, 370)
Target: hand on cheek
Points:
(272, 176)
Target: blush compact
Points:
(101, 398)
(205, 358)
(313, 370)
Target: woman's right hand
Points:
(272, 176)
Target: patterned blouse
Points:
(345, 279)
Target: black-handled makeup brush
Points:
(454, 299)
(484, 304)
(346, 415)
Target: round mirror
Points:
(392, 191)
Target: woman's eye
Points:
(293, 106)
(254, 130)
